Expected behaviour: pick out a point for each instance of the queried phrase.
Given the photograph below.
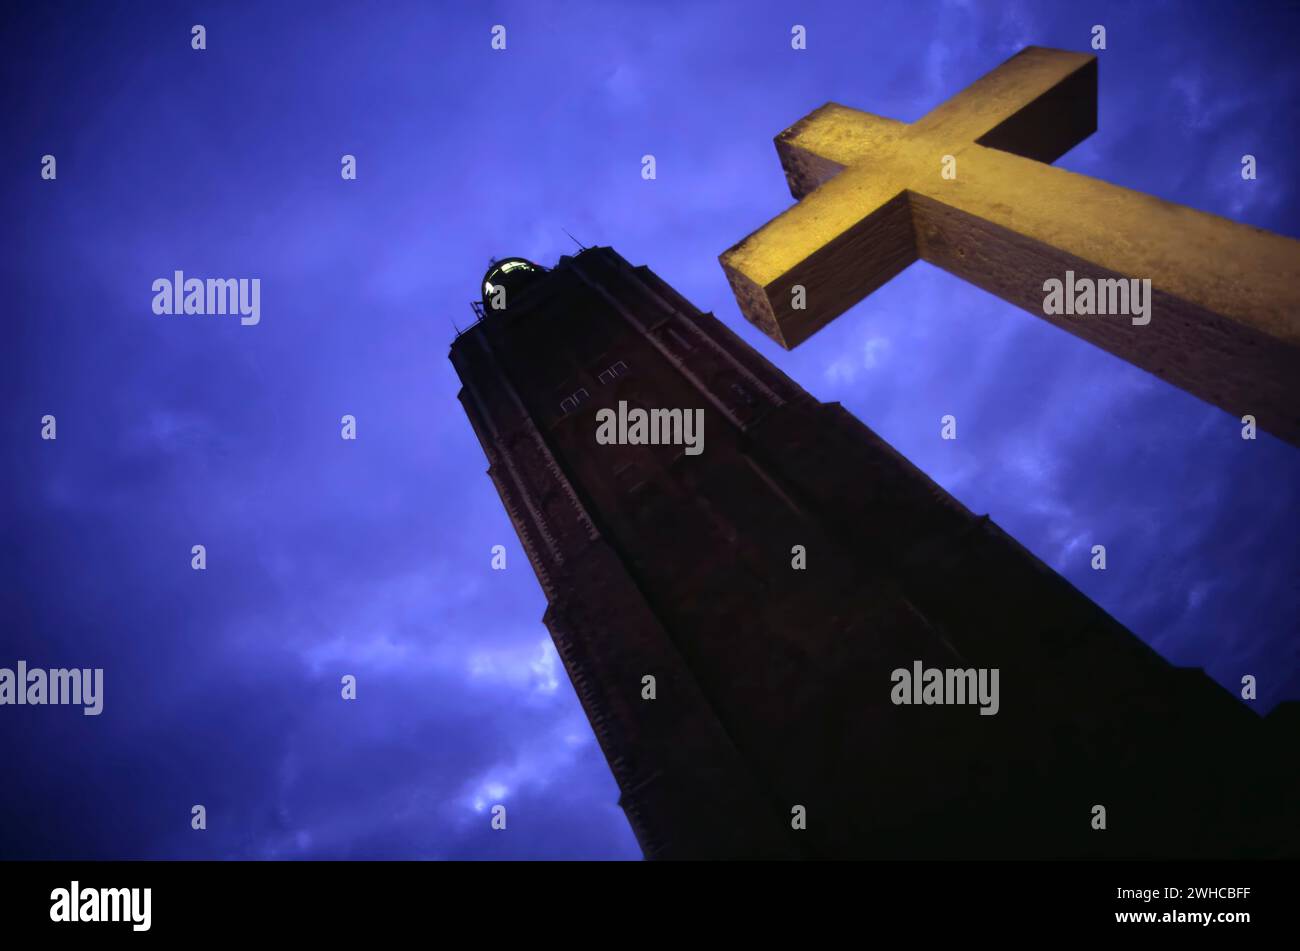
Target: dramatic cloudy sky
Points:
(371, 557)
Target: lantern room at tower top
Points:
(510, 275)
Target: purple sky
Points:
(372, 557)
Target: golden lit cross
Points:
(873, 197)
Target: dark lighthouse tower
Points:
(732, 619)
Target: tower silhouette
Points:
(733, 620)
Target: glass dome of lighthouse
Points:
(511, 275)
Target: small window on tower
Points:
(571, 402)
(612, 373)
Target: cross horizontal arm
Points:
(1040, 104)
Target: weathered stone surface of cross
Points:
(1225, 314)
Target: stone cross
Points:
(969, 188)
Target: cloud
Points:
(371, 558)
(845, 369)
